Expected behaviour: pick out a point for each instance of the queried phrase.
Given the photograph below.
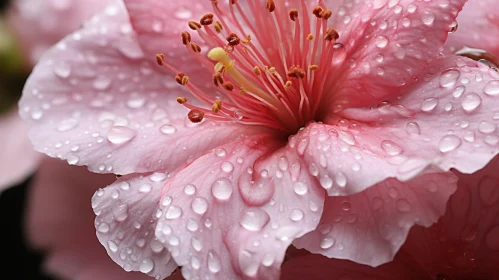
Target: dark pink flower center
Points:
(274, 77)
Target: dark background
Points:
(19, 262)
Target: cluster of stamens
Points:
(279, 79)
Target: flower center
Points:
(268, 62)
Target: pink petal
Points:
(39, 24)
(464, 243)
(96, 100)
(371, 226)
(60, 221)
(478, 27)
(18, 157)
(127, 214)
(227, 216)
(386, 44)
(316, 267)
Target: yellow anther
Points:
(313, 67)
(272, 70)
(288, 84)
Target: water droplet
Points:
(413, 128)
(449, 143)
(340, 179)
(112, 246)
(168, 129)
(486, 127)
(192, 225)
(403, 205)
(101, 83)
(326, 182)
(67, 124)
(300, 188)
(302, 145)
(199, 205)
(145, 188)
(121, 212)
(173, 212)
(458, 91)
(220, 152)
(214, 264)
(222, 188)
(248, 263)
(120, 134)
(327, 243)
(283, 163)
(190, 189)
(470, 102)
(147, 265)
(429, 104)
(391, 148)
(428, 18)
(103, 228)
(381, 41)
(449, 77)
(254, 219)
(296, 215)
(73, 160)
(62, 70)
(227, 167)
(492, 88)
(196, 244)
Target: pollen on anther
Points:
(331, 34)
(233, 39)
(218, 79)
(181, 78)
(218, 27)
(293, 14)
(296, 71)
(207, 19)
(257, 70)
(194, 25)
(310, 37)
(288, 84)
(186, 38)
(195, 115)
(270, 5)
(326, 14)
(317, 11)
(313, 67)
(160, 59)
(217, 106)
(228, 86)
(195, 47)
(181, 100)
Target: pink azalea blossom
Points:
(464, 244)
(225, 183)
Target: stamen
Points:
(270, 5)
(233, 39)
(218, 79)
(217, 106)
(206, 19)
(181, 100)
(331, 34)
(293, 14)
(194, 25)
(181, 78)
(186, 38)
(195, 47)
(160, 59)
(218, 26)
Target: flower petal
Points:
(18, 157)
(127, 214)
(232, 213)
(464, 243)
(386, 44)
(316, 267)
(371, 226)
(96, 100)
(39, 24)
(478, 27)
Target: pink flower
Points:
(464, 244)
(225, 183)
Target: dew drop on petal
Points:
(214, 264)
(470, 102)
(429, 104)
(492, 88)
(120, 134)
(168, 129)
(222, 188)
(173, 212)
(391, 148)
(327, 243)
(254, 219)
(147, 265)
(199, 205)
(449, 77)
(300, 188)
(413, 128)
(296, 215)
(449, 143)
